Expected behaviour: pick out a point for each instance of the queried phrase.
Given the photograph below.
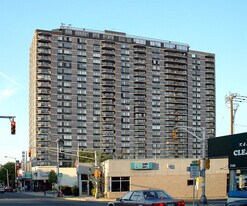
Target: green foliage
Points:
(66, 190)
(88, 156)
(10, 166)
(75, 190)
(52, 178)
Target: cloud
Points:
(6, 93)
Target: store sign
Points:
(238, 154)
(232, 146)
(28, 175)
(141, 165)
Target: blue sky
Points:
(211, 26)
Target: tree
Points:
(10, 166)
(88, 156)
(52, 178)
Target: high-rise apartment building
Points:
(121, 94)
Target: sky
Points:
(218, 27)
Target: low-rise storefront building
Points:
(170, 175)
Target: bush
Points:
(66, 190)
(75, 190)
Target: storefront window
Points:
(120, 184)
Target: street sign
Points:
(194, 170)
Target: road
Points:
(30, 199)
(19, 199)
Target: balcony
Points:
(140, 56)
(138, 85)
(44, 71)
(43, 111)
(176, 72)
(139, 62)
(107, 108)
(108, 63)
(108, 127)
(110, 52)
(176, 60)
(107, 76)
(43, 78)
(43, 105)
(106, 70)
(43, 64)
(139, 79)
(108, 89)
(107, 102)
(44, 58)
(176, 54)
(44, 98)
(108, 120)
(44, 38)
(175, 66)
(108, 45)
(140, 73)
(139, 91)
(43, 85)
(138, 48)
(44, 51)
(176, 77)
(44, 91)
(108, 82)
(43, 45)
(176, 83)
(108, 95)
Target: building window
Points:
(120, 184)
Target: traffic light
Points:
(13, 124)
(207, 164)
(174, 134)
(97, 173)
(29, 153)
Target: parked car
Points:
(8, 189)
(147, 197)
(2, 190)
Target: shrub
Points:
(75, 190)
(66, 190)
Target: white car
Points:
(2, 189)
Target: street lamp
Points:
(58, 163)
(7, 174)
(202, 139)
(15, 168)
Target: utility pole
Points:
(202, 139)
(232, 101)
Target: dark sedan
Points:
(147, 198)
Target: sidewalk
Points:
(68, 197)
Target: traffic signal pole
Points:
(13, 124)
(202, 139)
